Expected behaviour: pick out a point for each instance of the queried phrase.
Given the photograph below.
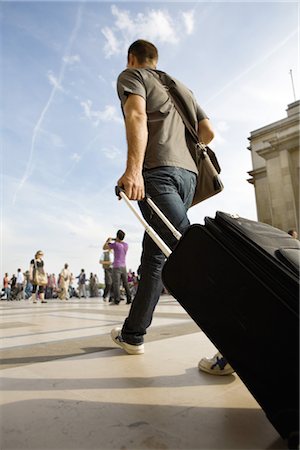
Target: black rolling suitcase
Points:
(242, 288)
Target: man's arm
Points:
(137, 136)
(106, 245)
(205, 131)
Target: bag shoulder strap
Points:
(178, 101)
(174, 95)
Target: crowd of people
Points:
(36, 284)
(20, 287)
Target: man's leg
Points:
(110, 285)
(19, 291)
(116, 278)
(33, 293)
(124, 278)
(106, 282)
(172, 190)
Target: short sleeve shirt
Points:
(120, 250)
(167, 144)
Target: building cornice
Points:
(274, 145)
(261, 172)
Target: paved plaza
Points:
(66, 385)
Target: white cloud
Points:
(155, 25)
(75, 157)
(123, 22)
(112, 46)
(112, 152)
(188, 19)
(71, 59)
(222, 126)
(109, 114)
(220, 129)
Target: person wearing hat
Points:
(38, 277)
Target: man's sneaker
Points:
(217, 365)
(129, 348)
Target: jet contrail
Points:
(56, 86)
(257, 63)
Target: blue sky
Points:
(63, 140)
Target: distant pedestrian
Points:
(120, 249)
(28, 285)
(106, 261)
(6, 286)
(293, 233)
(13, 287)
(93, 285)
(81, 284)
(38, 277)
(72, 290)
(19, 285)
(64, 283)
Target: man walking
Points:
(119, 272)
(64, 283)
(159, 162)
(6, 286)
(20, 285)
(106, 262)
(81, 284)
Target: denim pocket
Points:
(160, 181)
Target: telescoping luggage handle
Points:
(154, 236)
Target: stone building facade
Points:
(275, 175)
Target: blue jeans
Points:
(172, 189)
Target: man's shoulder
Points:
(130, 74)
(121, 244)
(142, 75)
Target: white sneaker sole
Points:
(129, 348)
(228, 371)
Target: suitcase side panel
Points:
(256, 259)
(245, 319)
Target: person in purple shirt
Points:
(119, 272)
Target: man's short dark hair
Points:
(120, 235)
(144, 51)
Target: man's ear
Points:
(131, 60)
